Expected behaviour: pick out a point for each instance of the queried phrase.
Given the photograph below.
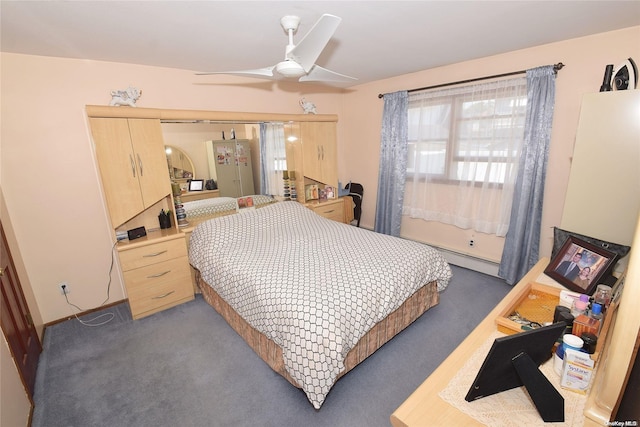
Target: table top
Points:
(424, 406)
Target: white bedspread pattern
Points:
(312, 285)
(205, 207)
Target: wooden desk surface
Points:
(424, 407)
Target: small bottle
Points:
(590, 342)
(603, 296)
(569, 341)
(579, 307)
(596, 311)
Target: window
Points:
(465, 134)
(273, 158)
(464, 145)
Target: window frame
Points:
(452, 156)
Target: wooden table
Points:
(424, 407)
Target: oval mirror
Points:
(179, 163)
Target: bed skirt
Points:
(423, 299)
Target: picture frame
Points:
(196, 185)
(580, 266)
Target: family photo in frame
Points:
(579, 265)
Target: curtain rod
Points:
(557, 67)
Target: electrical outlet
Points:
(472, 243)
(64, 288)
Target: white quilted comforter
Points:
(312, 285)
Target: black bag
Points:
(560, 236)
(210, 185)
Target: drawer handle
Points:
(159, 274)
(332, 210)
(154, 254)
(163, 296)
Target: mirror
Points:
(194, 139)
(180, 165)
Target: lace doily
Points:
(509, 408)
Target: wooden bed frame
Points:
(423, 299)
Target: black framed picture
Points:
(196, 185)
(579, 265)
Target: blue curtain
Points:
(393, 163)
(522, 243)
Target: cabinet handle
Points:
(153, 276)
(163, 296)
(318, 152)
(133, 165)
(322, 152)
(154, 254)
(140, 164)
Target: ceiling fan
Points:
(299, 60)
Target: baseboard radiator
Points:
(470, 262)
(463, 260)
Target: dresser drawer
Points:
(152, 254)
(332, 210)
(158, 286)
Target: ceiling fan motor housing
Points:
(290, 69)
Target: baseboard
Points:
(82, 313)
(470, 262)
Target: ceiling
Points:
(376, 39)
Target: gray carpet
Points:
(186, 367)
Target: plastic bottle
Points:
(590, 342)
(579, 307)
(568, 341)
(596, 311)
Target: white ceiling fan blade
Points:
(260, 72)
(310, 47)
(319, 74)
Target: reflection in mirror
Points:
(180, 165)
(194, 138)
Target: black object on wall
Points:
(606, 81)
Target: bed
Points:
(313, 297)
(219, 206)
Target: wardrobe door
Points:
(118, 169)
(320, 151)
(151, 159)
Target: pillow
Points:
(560, 236)
(256, 199)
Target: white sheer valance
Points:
(464, 145)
